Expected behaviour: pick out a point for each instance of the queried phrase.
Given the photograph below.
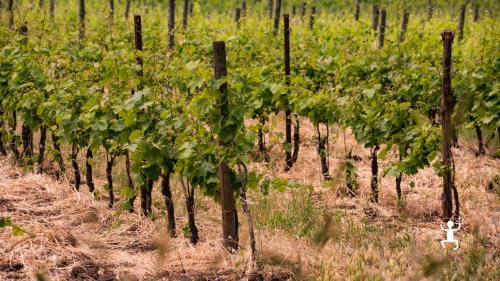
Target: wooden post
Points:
(237, 17)
(404, 25)
(446, 127)
(270, 7)
(461, 23)
(356, 12)
(185, 14)
(311, 18)
(81, 19)
(138, 42)
(303, 12)
(147, 186)
(229, 213)
(277, 15)
(27, 133)
(375, 16)
(127, 8)
(51, 8)
(381, 32)
(288, 113)
(430, 9)
(171, 23)
(111, 9)
(10, 9)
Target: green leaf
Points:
(17, 231)
(135, 135)
(276, 88)
(4, 222)
(279, 184)
(100, 125)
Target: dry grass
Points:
(326, 237)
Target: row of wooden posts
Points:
(274, 7)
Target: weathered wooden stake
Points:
(270, 8)
(311, 18)
(404, 25)
(229, 213)
(127, 8)
(357, 10)
(27, 133)
(81, 19)
(51, 9)
(244, 8)
(237, 17)
(185, 14)
(461, 23)
(10, 9)
(171, 24)
(430, 10)
(381, 31)
(304, 9)
(288, 113)
(111, 10)
(277, 15)
(147, 186)
(446, 126)
(375, 17)
(138, 43)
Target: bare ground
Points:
(72, 236)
